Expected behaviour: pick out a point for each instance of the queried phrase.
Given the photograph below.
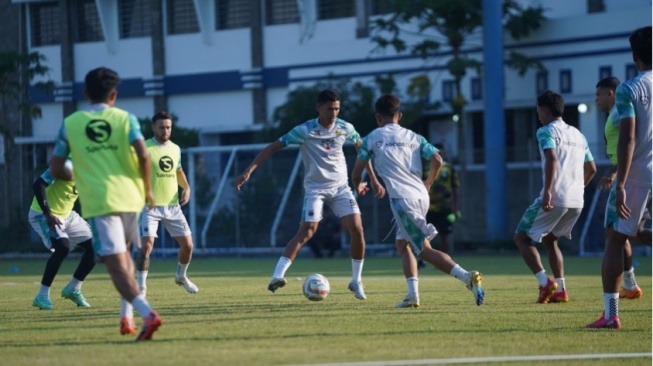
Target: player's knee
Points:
(60, 245)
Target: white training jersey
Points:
(397, 154)
(633, 99)
(572, 151)
(321, 149)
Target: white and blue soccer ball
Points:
(316, 287)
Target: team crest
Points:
(328, 144)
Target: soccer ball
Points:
(68, 166)
(316, 287)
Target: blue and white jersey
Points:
(397, 154)
(633, 99)
(321, 149)
(572, 151)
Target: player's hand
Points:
(606, 181)
(149, 200)
(185, 196)
(52, 221)
(546, 202)
(362, 188)
(241, 180)
(379, 190)
(622, 210)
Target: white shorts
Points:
(171, 217)
(341, 200)
(74, 228)
(410, 218)
(537, 223)
(111, 233)
(637, 199)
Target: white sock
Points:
(459, 273)
(142, 306)
(181, 270)
(356, 269)
(75, 284)
(413, 286)
(141, 279)
(542, 278)
(611, 303)
(629, 282)
(44, 291)
(126, 309)
(282, 266)
(561, 284)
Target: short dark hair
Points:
(608, 83)
(387, 105)
(640, 43)
(99, 84)
(161, 115)
(328, 95)
(553, 101)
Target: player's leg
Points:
(176, 224)
(79, 233)
(556, 262)
(149, 226)
(409, 266)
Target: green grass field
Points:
(234, 320)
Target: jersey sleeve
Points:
(179, 157)
(296, 136)
(624, 101)
(546, 139)
(365, 153)
(135, 132)
(588, 153)
(425, 148)
(61, 147)
(47, 177)
(352, 134)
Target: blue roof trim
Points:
(202, 83)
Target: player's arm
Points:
(60, 155)
(550, 162)
(435, 163)
(589, 171)
(185, 187)
(606, 181)
(357, 176)
(260, 159)
(146, 170)
(38, 187)
(376, 185)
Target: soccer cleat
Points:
(151, 324)
(357, 289)
(630, 294)
(127, 325)
(408, 302)
(276, 283)
(602, 322)
(560, 296)
(546, 291)
(43, 302)
(474, 285)
(76, 297)
(189, 286)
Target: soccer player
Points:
(632, 189)
(321, 141)
(61, 229)
(605, 92)
(567, 167)
(112, 175)
(167, 176)
(397, 153)
(443, 195)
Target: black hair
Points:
(553, 101)
(99, 84)
(640, 43)
(608, 83)
(161, 115)
(387, 105)
(328, 95)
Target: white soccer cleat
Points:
(189, 286)
(276, 283)
(408, 302)
(357, 289)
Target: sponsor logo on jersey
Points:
(166, 163)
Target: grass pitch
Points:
(234, 320)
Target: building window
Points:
(182, 17)
(565, 81)
(477, 91)
(232, 14)
(605, 72)
(541, 82)
(631, 71)
(380, 7)
(333, 9)
(44, 24)
(447, 91)
(135, 18)
(281, 12)
(89, 28)
(595, 6)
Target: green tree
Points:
(17, 72)
(456, 24)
